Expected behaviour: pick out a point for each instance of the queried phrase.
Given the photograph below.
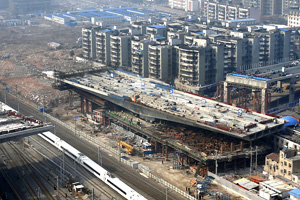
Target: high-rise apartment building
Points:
(220, 11)
(103, 46)
(271, 7)
(120, 50)
(139, 54)
(160, 62)
(29, 6)
(198, 66)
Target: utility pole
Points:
(93, 195)
(5, 96)
(75, 126)
(256, 157)
(166, 193)
(99, 156)
(75, 169)
(63, 170)
(250, 160)
(57, 185)
(119, 149)
(54, 128)
(216, 158)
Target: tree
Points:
(72, 53)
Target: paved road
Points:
(149, 188)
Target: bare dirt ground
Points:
(24, 54)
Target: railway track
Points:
(92, 183)
(14, 167)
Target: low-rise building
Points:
(274, 189)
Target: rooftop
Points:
(273, 156)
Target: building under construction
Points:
(197, 129)
(29, 6)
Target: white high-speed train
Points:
(93, 167)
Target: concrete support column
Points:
(81, 104)
(279, 84)
(235, 161)
(166, 149)
(162, 150)
(90, 107)
(70, 98)
(155, 146)
(245, 163)
(292, 91)
(241, 145)
(264, 100)
(226, 92)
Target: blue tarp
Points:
(292, 121)
(295, 193)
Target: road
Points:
(147, 187)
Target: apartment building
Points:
(285, 164)
(160, 62)
(271, 7)
(274, 45)
(200, 65)
(88, 42)
(120, 50)
(29, 6)
(157, 30)
(139, 55)
(103, 46)
(220, 11)
(187, 5)
(293, 18)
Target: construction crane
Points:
(128, 147)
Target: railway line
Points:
(87, 176)
(147, 187)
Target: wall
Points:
(234, 188)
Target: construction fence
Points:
(144, 169)
(234, 188)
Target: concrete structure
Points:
(260, 88)
(60, 19)
(160, 62)
(295, 194)
(139, 56)
(15, 126)
(107, 20)
(157, 30)
(29, 6)
(120, 48)
(192, 110)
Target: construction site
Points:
(191, 130)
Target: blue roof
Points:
(241, 20)
(157, 26)
(292, 121)
(11, 20)
(192, 19)
(61, 16)
(113, 16)
(284, 29)
(295, 192)
(159, 37)
(259, 78)
(106, 30)
(240, 75)
(199, 33)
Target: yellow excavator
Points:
(128, 147)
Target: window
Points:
(285, 163)
(284, 171)
(267, 162)
(289, 173)
(290, 165)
